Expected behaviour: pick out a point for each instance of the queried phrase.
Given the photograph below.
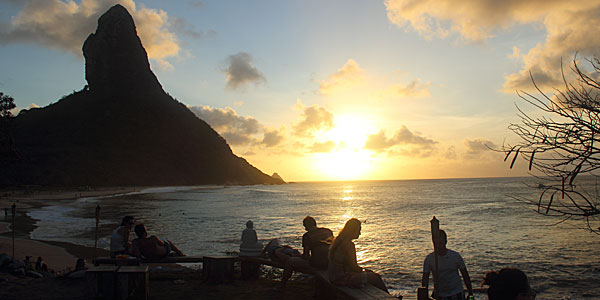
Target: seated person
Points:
(119, 239)
(316, 243)
(276, 252)
(343, 268)
(250, 245)
(152, 247)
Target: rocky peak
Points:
(115, 60)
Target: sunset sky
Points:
(325, 90)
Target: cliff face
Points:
(123, 129)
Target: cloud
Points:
(236, 129)
(478, 146)
(197, 4)
(65, 25)
(415, 89)
(324, 147)
(352, 81)
(450, 153)
(419, 145)
(349, 74)
(516, 53)
(240, 71)
(313, 118)
(379, 141)
(569, 27)
(182, 27)
(272, 138)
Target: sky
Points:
(326, 90)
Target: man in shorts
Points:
(152, 247)
(315, 244)
(450, 263)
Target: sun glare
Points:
(346, 164)
(348, 160)
(349, 130)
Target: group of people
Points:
(40, 265)
(321, 251)
(143, 246)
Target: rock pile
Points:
(18, 268)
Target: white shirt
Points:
(117, 241)
(449, 264)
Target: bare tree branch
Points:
(562, 144)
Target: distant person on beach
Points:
(450, 263)
(276, 252)
(119, 240)
(343, 268)
(27, 262)
(508, 284)
(315, 244)
(40, 265)
(250, 245)
(152, 247)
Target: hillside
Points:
(122, 128)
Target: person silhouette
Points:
(250, 245)
(450, 263)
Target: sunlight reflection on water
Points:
(489, 229)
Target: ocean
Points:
(483, 221)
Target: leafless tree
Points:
(561, 144)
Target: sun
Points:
(347, 160)
(347, 164)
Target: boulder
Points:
(33, 274)
(4, 259)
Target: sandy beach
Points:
(171, 282)
(58, 256)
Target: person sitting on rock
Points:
(152, 247)
(315, 243)
(27, 262)
(250, 245)
(40, 265)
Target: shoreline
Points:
(59, 256)
(170, 282)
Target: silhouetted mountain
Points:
(122, 130)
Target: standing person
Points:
(119, 240)
(449, 262)
(508, 284)
(343, 268)
(152, 247)
(315, 244)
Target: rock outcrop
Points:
(122, 129)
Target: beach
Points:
(488, 229)
(170, 282)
